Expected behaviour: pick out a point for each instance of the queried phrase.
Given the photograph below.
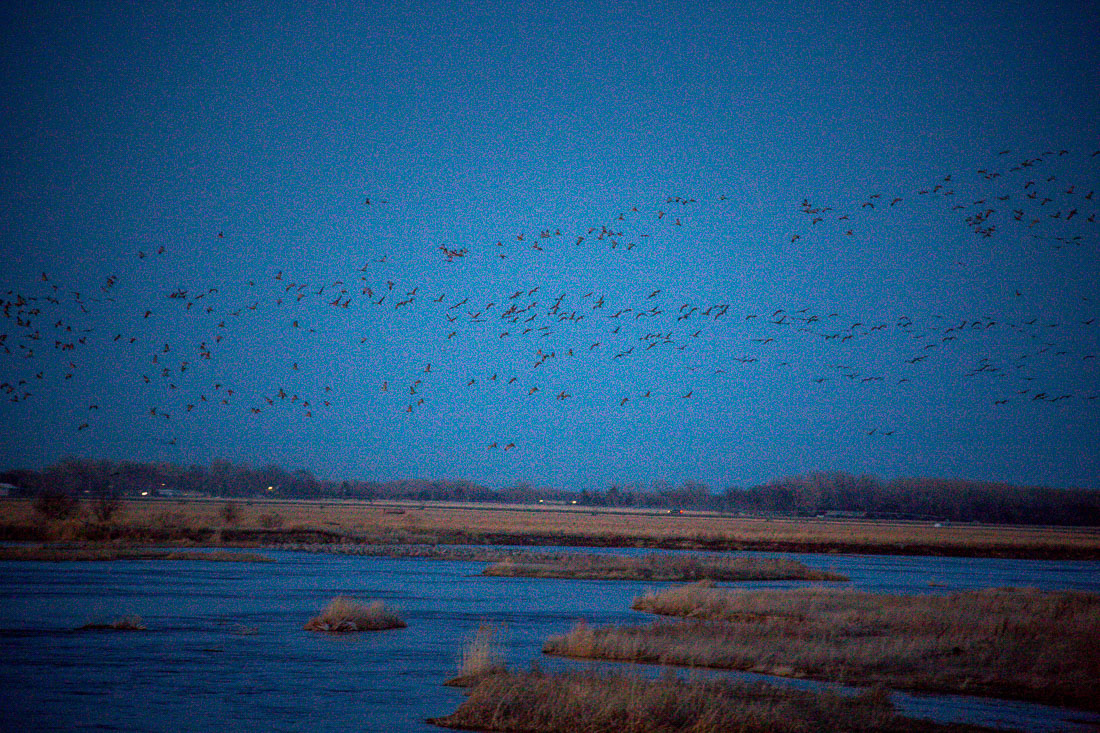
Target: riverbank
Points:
(96, 553)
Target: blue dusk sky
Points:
(566, 243)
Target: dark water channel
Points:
(225, 647)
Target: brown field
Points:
(659, 567)
(263, 522)
(1019, 644)
(604, 703)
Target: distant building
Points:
(841, 514)
(178, 494)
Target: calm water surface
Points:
(225, 646)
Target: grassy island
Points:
(613, 703)
(659, 567)
(1019, 644)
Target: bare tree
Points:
(231, 512)
(55, 505)
(105, 506)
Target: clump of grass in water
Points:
(126, 623)
(481, 657)
(345, 614)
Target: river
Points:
(225, 646)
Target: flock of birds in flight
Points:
(557, 341)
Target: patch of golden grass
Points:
(1022, 644)
(614, 703)
(345, 614)
(659, 567)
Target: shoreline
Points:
(481, 549)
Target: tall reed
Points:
(481, 655)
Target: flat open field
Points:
(261, 521)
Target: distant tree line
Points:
(917, 498)
(87, 477)
(815, 494)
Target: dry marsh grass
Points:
(1021, 644)
(480, 657)
(89, 553)
(613, 703)
(214, 556)
(660, 567)
(345, 614)
(199, 521)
